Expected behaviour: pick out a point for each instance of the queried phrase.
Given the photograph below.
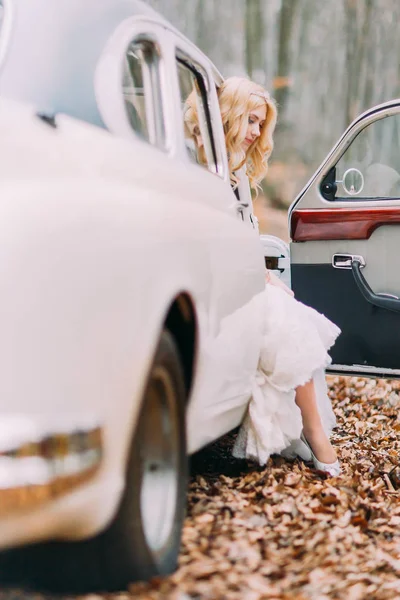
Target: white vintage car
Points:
(123, 265)
(122, 257)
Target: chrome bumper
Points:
(36, 467)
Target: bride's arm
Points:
(274, 280)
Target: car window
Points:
(199, 140)
(370, 167)
(142, 94)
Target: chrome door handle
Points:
(241, 207)
(345, 261)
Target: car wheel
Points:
(146, 533)
(143, 540)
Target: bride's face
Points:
(256, 120)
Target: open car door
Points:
(345, 249)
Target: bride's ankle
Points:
(320, 444)
(314, 431)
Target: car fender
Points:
(89, 270)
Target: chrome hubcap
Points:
(160, 456)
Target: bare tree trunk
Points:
(286, 22)
(254, 39)
(358, 25)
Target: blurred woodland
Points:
(325, 62)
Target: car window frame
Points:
(312, 188)
(185, 49)
(198, 72)
(109, 76)
(359, 198)
(110, 101)
(153, 101)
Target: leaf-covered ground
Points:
(287, 531)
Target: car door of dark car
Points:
(345, 231)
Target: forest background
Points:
(324, 61)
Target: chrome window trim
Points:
(6, 28)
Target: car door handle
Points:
(241, 207)
(386, 301)
(344, 261)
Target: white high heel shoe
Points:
(297, 448)
(332, 468)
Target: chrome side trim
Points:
(36, 468)
(365, 370)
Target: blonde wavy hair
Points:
(238, 96)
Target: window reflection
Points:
(374, 152)
(142, 92)
(133, 90)
(198, 133)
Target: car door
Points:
(345, 243)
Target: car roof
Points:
(54, 47)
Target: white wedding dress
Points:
(294, 349)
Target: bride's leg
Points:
(312, 425)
